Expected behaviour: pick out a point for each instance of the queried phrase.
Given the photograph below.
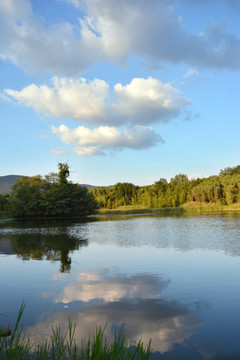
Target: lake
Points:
(174, 279)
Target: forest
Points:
(54, 196)
(222, 189)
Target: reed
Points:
(59, 347)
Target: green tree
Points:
(26, 196)
(63, 172)
(124, 192)
(179, 189)
(4, 202)
(222, 189)
(230, 171)
(36, 196)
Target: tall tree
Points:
(63, 172)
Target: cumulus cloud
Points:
(88, 151)
(135, 105)
(89, 142)
(142, 101)
(32, 46)
(111, 30)
(66, 99)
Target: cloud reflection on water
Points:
(93, 285)
(166, 323)
(116, 300)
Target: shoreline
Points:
(134, 211)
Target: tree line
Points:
(54, 196)
(222, 189)
(49, 196)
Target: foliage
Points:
(63, 172)
(51, 196)
(121, 194)
(64, 347)
(220, 190)
(54, 196)
(4, 202)
(230, 171)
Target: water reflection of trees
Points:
(50, 247)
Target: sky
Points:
(122, 90)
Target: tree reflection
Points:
(53, 245)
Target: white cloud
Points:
(89, 142)
(111, 30)
(88, 151)
(66, 99)
(148, 100)
(142, 101)
(32, 46)
(135, 105)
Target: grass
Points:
(189, 207)
(132, 210)
(58, 347)
(208, 207)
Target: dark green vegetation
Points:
(49, 196)
(4, 202)
(60, 347)
(219, 190)
(54, 196)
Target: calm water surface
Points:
(173, 279)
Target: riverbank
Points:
(188, 208)
(191, 207)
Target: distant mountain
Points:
(6, 183)
(87, 186)
(93, 186)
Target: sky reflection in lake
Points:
(174, 279)
(166, 323)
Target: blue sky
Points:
(121, 90)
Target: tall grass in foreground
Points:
(96, 347)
